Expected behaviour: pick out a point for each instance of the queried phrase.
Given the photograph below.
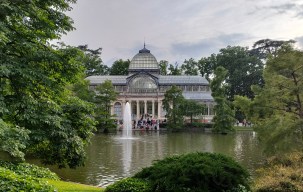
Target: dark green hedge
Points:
(129, 185)
(205, 172)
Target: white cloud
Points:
(176, 29)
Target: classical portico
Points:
(144, 88)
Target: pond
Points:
(112, 158)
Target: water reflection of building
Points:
(144, 88)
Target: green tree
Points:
(190, 67)
(80, 89)
(223, 119)
(243, 70)
(174, 69)
(36, 109)
(120, 67)
(191, 108)
(163, 67)
(106, 94)
(277, 108)
(207, 65)
(172, 102)
(92, 61)
(264, 46)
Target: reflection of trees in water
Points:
(108, 161)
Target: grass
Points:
(63, 186)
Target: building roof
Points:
(144, 60)
(182, 80)
(198, 96)
(163, 80)
(116, 79)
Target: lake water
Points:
(112, 158)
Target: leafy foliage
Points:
(92, 61)
(195, 172)
(129, 185)
(17, 176)
(174, 69)
(223, 119)
(120, 67)
(21, 168)
(267, 46)
(172, 102)
(277, 107)
(190, 67)
(34, 102)
(244, 70)
(191, 108)
(281, 173)
(163, 67)
(106, 94)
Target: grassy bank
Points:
(63, 186)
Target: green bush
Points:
(128, 185)
(10, 181)
(19, 176)
(163, 125)
(22, 168)
(195, 172)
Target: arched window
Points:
(117, 109)
(142, 84)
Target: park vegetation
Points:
(47, 111)
(188, 172)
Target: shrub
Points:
(195, 172)
(128, 185)
(19, 176)
(163, 125)
(9, 181)
(284, 173)
(22, 168)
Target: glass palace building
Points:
(144, 88)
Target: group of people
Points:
(244, 123)
(142, 124)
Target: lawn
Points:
(63, 186)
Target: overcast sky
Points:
(175, 30)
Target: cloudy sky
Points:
(175, 30)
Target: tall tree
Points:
(37, 114)
(106, 94)
(207, 65)
(243, 70)
(277, 109)
(174, 69)
(172, 102)
(264, 46)
(191, 108)
(120, 67)
(190, 67)
(163, 67)
(223, 119)
(92, 61)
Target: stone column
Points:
(138, 110)
(159, 109)
(123, 108)
(208, 109)
(153, 108)
(112, 107)
(145, 107)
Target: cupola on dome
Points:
(144, 60)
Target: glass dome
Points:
(142, 83)
(143, 60)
